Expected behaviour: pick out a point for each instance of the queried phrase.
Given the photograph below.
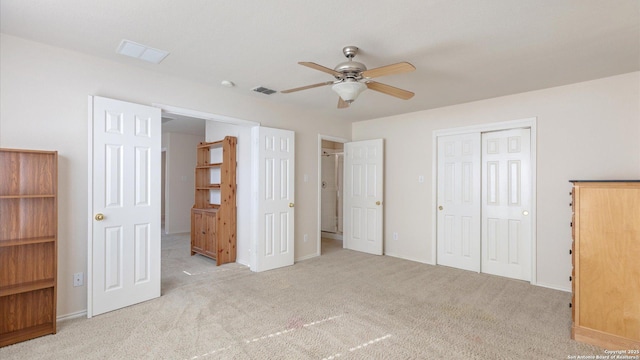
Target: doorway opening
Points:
(180, 136)
(330, 193)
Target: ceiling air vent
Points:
(142, 52)
(263, 90)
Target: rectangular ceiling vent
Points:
(140, 51)
(264, 90)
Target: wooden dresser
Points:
(606, 263)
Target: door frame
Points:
(530, 123)
(176, 110)
(319, 186)
(243, 194)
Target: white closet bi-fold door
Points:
(458, 226)
(506, 203)
(484, 202)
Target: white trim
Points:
(318, 158)
(307, 257)
(89, 276)
(534, 205)
(410, 258)
(503, 125)
(530, 123)
(254, 172)
(553, 287)
(75, 315)
(204, 115)
(243, 261)
(434, 198)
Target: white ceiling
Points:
(463, 50)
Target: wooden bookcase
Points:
(28, 244)
(213, 216)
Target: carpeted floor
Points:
(342, 305)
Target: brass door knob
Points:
(99, 217)
(440, 207)
(378, 203)
(290, 204)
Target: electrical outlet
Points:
(306, 237)
(78, 279)
(395, 236)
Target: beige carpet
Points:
(342, 305)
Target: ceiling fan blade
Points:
(307, 87)
(399, 68)
(390, 90)
(342, 104)
(321, 68)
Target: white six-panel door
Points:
(484, 199)
(273, 188)
(506, 203)
(124, 229)
(363, 195)
(458, 213)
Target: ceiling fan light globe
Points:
(349, 90)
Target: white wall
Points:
(588, 130)
(180, 180)
(43, 105)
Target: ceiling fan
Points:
(352, 78)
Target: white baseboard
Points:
(75, 315)
(306, 257)
(243, 261)
(553, 287)
(422, 261)
(178, 232)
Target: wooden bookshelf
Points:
(28, 244)
(213, 216)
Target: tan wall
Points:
(180, 180)
(588, 130)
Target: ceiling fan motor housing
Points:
(351, 69)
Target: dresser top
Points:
(605, 181)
